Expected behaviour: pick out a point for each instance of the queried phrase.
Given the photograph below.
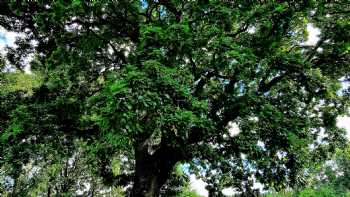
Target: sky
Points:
(8, 39)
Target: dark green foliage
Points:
(159, 82)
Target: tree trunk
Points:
(49, 191)
(152, 171)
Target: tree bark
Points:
(152, 171)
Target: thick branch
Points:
(265, 87)
(172, 8)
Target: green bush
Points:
(321, 192)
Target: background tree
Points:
(334, 174)
(161, 82)
(329, 179)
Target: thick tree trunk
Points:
(152, 171)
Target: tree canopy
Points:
(136, 87)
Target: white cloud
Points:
(9, 38)
(258, 186)
(233, 129)
(229, 191)
(2, 42)
(344, 122)
(313, 35)
(198, 185)
(251, 30)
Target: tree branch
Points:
(264, 87)
(172, 8)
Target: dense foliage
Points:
(331, 179)
(135, 87)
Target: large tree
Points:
(155, 83)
